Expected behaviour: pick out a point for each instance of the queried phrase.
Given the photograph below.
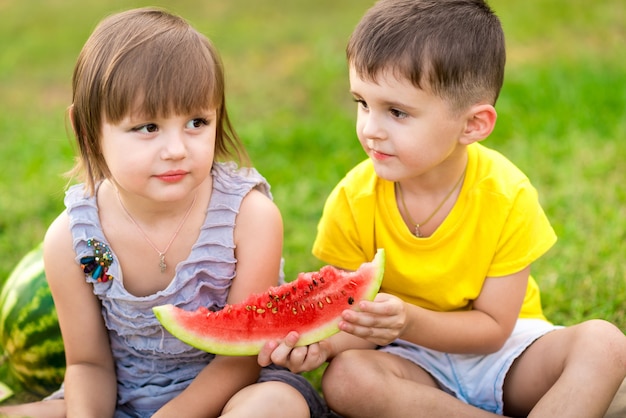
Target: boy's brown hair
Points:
(455, 48)
(147, 61)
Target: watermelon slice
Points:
(311, 305)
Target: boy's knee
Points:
(602, 335)
(342, 376)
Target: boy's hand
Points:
(380, 321)
(296, 359)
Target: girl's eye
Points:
(147, 128)
(398, 114)
(196, 123)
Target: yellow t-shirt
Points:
(496, 228)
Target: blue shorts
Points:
(474, 379)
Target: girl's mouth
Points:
(172, 176)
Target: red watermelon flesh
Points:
(311, 305)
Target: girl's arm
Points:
(259, 243)
(481, 330)
(90, 383)
(307, 358)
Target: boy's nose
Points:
(372, 128)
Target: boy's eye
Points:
(197, 123)
(361, 103)
(147, 128)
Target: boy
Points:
(458, 329)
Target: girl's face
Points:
(407, 132)
(162, 159)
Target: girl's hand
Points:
(296, 359)
(380, 321)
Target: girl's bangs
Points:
(164, 77)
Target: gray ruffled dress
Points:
(153, 366)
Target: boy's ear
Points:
(481, 119)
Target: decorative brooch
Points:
(97, 264)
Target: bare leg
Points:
(267, 399)
(572, 372)
(618, 406)
(368, 383)
(44, 409)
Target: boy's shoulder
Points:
(490, 173)
(360, 181)
(488, 161)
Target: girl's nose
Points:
(174, 147)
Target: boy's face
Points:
(406, 131)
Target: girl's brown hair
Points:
(150, 61)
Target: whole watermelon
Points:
(30, 338)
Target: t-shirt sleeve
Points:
(526, 234)
(345, 230)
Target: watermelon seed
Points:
(274, 309)
(248, 308)
(315, 282)
(320, 304)
(294, 310)
(303, 308)
(269, 304)
(328, 300)
(322, 280)
(350, 300)
(260, 311)
(352, 283)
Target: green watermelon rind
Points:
(167, 316)
(30, 338)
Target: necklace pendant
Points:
(162, 264)
(417, 231)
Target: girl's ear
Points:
(480, 122)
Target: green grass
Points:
(562, 119)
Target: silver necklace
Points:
(162, 264)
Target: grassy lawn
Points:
(562, 119)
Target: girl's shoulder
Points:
(229, 177)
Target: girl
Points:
(164, 216)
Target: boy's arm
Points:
(90, 382)
(481, 330)
(484, 329)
